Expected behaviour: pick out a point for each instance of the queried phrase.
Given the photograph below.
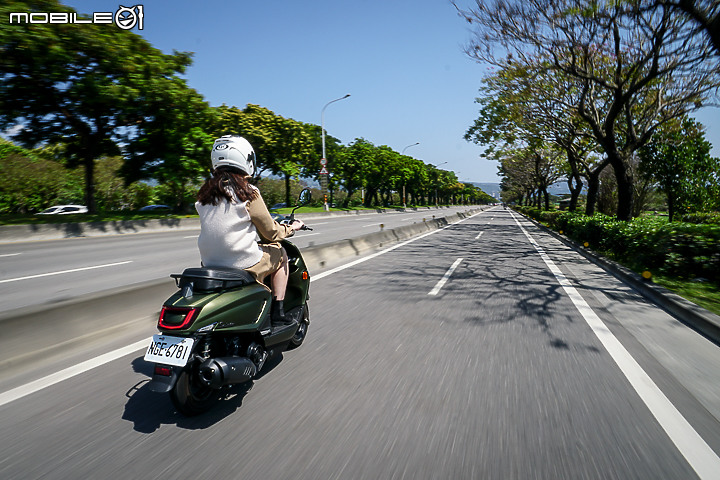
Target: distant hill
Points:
(492, 189)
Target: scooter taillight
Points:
(163, 370)
(176, 318)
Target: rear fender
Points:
(164, 383)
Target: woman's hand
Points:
(297, 225)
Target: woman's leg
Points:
(279, 279)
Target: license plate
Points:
(169, 350)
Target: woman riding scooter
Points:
(232, 214)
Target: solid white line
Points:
(445, 278)
(371, 225)
(382, 252)
(39, 384)
(691, 445)
(192, 236)
(64, 271)
(10, 254)
(479, 235)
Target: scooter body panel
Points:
(241, 309)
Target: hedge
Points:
(679, 249)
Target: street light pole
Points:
(403, 151)
(323, 161)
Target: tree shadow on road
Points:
(500, 281)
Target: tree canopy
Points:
(622, 69)
(92, 87)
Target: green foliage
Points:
(91, 87)
(678, 159)
(705, 217)
(31, 180)
(107, 104)
(682, 250)
(283, 146)
(30, 183)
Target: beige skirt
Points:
(270, 262)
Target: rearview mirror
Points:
(305, 197)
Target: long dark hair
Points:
(224, 182)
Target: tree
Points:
(31, 181)
(522, 111)
(704, 13)
(635, 68)
(352, 166)
(88, 86)
(678, 159)
(174, 148)
(282, 145)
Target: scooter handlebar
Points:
(290, 219)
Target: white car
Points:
(64, 210)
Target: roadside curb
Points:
(684, 310)
(59, 231)
(344, 213)
(330, 254)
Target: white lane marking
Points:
(192, 236)
(10, 254)
(64, 271)
(445, 278)
(371, 225)
(691, 445)
(382, 252)
(479, 235)
(308, 234)
(39, 384)
(321, 223)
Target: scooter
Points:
(216, 332)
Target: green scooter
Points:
(216, 331)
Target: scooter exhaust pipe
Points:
(220, 371)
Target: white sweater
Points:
(229, 232)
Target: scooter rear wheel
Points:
(191, 397)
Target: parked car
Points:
(155, 208)
(278, 205)
(64, 210)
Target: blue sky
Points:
(402, 61)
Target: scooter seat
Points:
(214, 279)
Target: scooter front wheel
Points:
(301, 332)
(191, 397)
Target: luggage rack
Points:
(211, 279)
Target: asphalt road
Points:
(40, 272)
(521, 362)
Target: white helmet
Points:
(233, 151)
